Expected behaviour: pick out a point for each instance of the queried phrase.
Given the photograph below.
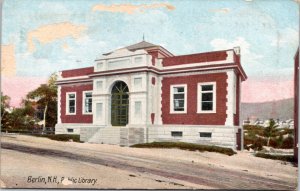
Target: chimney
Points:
(237, 50)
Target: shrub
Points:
(60, 137)
(254, 129)
(256, 143)
(288, 143)
(275, 143)
(282, 143)
(186, 146)
(288, 158)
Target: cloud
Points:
(8, 60)
(49, 33)
(285, 37)
(66, 47)
(246, 55)
(221, 10)
(130, 9)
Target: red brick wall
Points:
(296, 102)
(154, 55)
(195, 58)
(77, 72)
(237, 115)
(79, 117)
(192, 117)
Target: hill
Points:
(282, 109)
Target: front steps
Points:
(115, 135)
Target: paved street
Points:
(119, 167)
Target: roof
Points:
(77, 72)
(140, 45)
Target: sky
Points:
(40, 37)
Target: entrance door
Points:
(119, 104)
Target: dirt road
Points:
(78, 165)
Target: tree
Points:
(4, 109)
(18, 119)
(4, 104)
(46, 97)
(271, 130)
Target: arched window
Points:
(119, 104)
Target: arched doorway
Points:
(119, 104)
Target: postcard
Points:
(150, 94)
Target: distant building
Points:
(263, 123)
(143, 93)
(296, 105)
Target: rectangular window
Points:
(137, 108)
(178, 98)
(70, 130)
(176, 133)
(71, 103)
(87, 101)
(205, 134)
(207, 97)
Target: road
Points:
(142, 171)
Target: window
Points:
(178, 98)
(206, 97)
(87, 101)
(137, 108)
(70, 130)
(205, 134)
(71, 103)
(176, 133)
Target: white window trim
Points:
(172, 101)
(199, 97)
(67, 103)
(83, 103)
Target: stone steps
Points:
(108, 135)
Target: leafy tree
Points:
(271, 130)
(18, 119)
(28, 107)
(4, 104)
(5, 109)
(45, 97)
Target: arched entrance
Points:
(119, 104)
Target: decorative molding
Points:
(59, 104)
(229, 104)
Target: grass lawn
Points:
(186, 146)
